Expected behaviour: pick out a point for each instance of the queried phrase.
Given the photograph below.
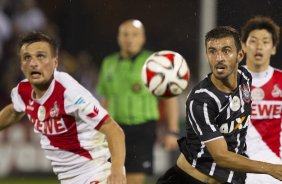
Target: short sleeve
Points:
(18, 103)
(79, 102)
(202, 118)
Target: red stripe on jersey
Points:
(25, 90)
(59, 127)
(269, 131)
(102, 121)
(269, 127)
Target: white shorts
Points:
(96, 176)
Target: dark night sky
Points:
(236, 13)
(170, 25)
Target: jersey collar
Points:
(133, 58)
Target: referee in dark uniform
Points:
(218, 112)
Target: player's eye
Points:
(211, 51)
(125, 34)
(226, 51)
(27, 57)
(252, 41)
(40, 56)
(135, 34)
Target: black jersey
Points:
(211, 114)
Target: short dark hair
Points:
(224, 31)
(261, 22)
(37, 36)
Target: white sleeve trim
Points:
(18, 103)
(213, 139)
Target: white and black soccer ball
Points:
(166, 73)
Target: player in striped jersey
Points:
(77, 134)
(218, 113)
(260, 37)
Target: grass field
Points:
(44, 180)
(29, 181)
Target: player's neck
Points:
(124, 55)
(226, 85)
(128, 55)
(37, 94)
(40, 90)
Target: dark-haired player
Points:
(260, 37)
(218, 113)
(77, 134)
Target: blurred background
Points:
(87, 30)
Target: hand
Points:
(170, 142)
(117, 176)
(276, 172)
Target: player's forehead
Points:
(260, 34)
(40, 46)
(131, 26)
(219, 43)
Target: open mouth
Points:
(220, 68)
(258, 56)
(35, 74)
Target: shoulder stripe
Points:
(193, 117)
(207, 119)
(211, 94)
(244, 75)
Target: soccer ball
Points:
(165, 74)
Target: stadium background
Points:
(87, 32)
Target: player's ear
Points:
(273, 52)
(56, 60)
(241, 55)
(244, 47)
(143, 39)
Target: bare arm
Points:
(116, 141)
(224, 158)
(9, 116)
(171, 113)
(104, 102)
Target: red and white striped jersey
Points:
(67, 118)
(264, 133)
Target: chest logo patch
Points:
(136, 87)
(54, 111)
(246, 93)
(235, 103)
(41, 113)
(257, 94)
(276, 92)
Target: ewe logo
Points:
(266, 109)
(52, 126)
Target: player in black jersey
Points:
(218, 113)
